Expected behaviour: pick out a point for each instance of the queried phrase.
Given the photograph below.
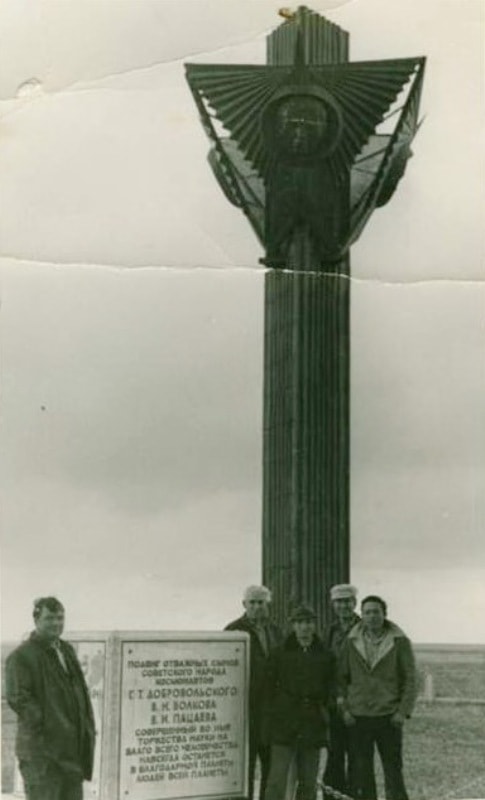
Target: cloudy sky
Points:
(132, 322)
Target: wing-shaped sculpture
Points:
(301, 144)
(380, 166)
(241, 95)
(240, 183)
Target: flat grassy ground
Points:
(456, 673)
(444, 752)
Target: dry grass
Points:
(458, 680)
(444, 752)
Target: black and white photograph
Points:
(242, 370)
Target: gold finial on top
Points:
(287, 13)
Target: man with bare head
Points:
(45, 687)
(377, 692)
(264, 637)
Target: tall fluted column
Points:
(306, 430)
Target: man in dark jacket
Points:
(45, 687)
(339, 764)
(299, 685)
(377, 692)
(264, 636)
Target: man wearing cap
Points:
(300, 681)
(377, 692)
(339, 763)
(264, 637)
(45, 687)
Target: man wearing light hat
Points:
(300, 681)
(344, 599)
(338, 769)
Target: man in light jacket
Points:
(377, 692)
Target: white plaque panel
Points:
(183, 718)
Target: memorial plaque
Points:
(183, 721)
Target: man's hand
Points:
(398, 719)
(348, 718)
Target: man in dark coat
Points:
(45, 687)
(264, 636)
(300, 683)
(339, 764)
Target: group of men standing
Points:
(349, 691)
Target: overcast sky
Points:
(132, 324)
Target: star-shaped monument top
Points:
(310, 112)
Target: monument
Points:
(307, 146)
